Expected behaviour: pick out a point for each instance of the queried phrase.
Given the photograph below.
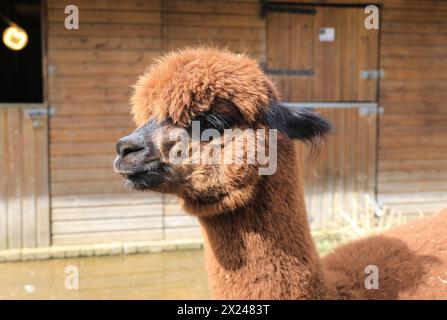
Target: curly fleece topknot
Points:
(184, 84)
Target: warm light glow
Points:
(15, 38)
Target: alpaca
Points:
(256, 234)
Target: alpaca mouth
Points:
(153, 165)
(147, 176)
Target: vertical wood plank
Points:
(367, 53)
(4, 170)
(302, 36)
(14, 172)
(28, 182)
(278, 49)
(42, 192)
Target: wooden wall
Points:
(412, 165)
(91, 70)
(24, 204)
(232, 24)
(413, 131)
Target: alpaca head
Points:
(190, 108)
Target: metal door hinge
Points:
(372, 74)
(38, 114)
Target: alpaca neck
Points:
(265, 250)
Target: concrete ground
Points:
(165, 275)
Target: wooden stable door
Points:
(24, 183)
(323, 58)
(325, 54)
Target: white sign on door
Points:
(327, 34)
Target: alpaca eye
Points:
(167, 121)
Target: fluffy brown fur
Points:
(264, 250)
(183, 84)
(412, 262)
(256, 234)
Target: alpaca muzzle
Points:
(138, 160)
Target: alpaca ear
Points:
(298, 124)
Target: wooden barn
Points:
(64, 102)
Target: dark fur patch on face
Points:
(298, 124)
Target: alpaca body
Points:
(411, 260)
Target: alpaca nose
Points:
(128, 145)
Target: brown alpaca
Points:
(257, 238)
